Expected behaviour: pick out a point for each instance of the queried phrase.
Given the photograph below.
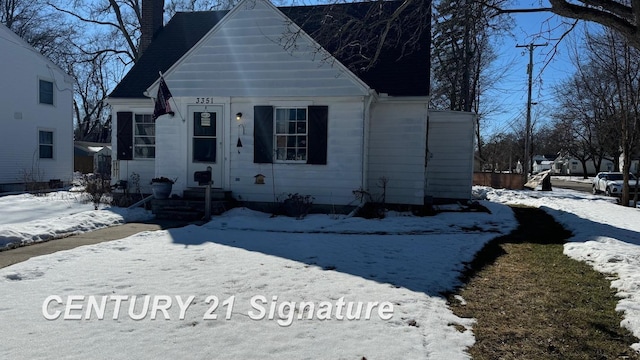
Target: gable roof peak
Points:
(395, 72)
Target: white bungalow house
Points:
(36, 142)
(272, 119)
(634, 168)
(567, 165)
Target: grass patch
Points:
(533, 302)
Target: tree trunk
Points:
(584, 169)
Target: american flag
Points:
(162, 100)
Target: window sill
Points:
(290, 161)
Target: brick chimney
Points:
(152, 22)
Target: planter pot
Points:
(161, 190)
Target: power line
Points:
(528, 166)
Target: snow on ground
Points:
(605, 235)
(335, 264)
(27, 219)
(332, 263)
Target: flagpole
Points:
(174, 101)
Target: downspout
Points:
(428, 200)
(366, 123)
(368, 101)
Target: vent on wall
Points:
(17, 115)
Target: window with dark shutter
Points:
(263, 134)
(125, 135)
(300, 134)
(318, 125)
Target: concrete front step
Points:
(198, 193)
(183, 209)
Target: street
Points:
(573, 185)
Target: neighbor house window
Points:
(46, 92)
(45, 144)
(144, 137)
(291, 134)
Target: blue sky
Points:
(551, 64)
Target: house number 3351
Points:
(204, 100)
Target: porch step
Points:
(184, 209)
(198, 193)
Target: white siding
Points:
(574, 166)
(171, 147)
(397, 150)
(124, 169)
(242, 56)
(22, 116)
(449, 171)
(331, 184)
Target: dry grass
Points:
(533, 302)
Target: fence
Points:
(498, 180)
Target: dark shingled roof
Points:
(407, 75)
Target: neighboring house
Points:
(634, 165)
(272, 121)
(542, 165)
(92, 157)
(566, 165)
(36, 142)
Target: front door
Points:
(205, 143)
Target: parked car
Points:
(610, 183)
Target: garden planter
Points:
(161, 190)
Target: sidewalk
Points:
(13, 256)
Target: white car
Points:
(610, 183)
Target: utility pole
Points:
(528, 165)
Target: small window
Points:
(144, 137)
(46, 92)
(45, 143)
(291, 134)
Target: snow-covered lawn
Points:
(26, 219)
(394, 268)
(257, 267)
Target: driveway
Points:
(23, 253)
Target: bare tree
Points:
(116, 21)
(619, 62)
(34, 22)
(622, 16)
(92, 120)
(462, 55)
(601, 101)
(503, 151)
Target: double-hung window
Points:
(144, 137)
(291, 134)
(45, 144)
(45, 92)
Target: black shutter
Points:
(318, 125)
(125, 135)
(263, 134)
